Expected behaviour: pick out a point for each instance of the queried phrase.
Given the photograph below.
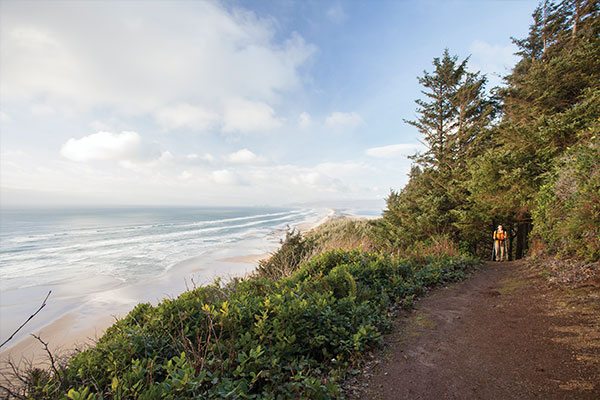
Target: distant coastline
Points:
(73, 321)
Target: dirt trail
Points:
(502, 334)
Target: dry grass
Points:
(347, 234)
(568, 272)
(340, 233)
(436, 246)
(344, 233)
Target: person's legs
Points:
(496, 250)
(501, 245)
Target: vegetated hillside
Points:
(292, 337)
(525, 156)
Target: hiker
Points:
(500, 237)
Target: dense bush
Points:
(295, 249)
(568, 205)
(339, 233)
(256, 338)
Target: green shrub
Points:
(256, 338)
(567, 212)
(294, 249)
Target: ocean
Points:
(124, 255)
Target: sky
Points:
(226, 103)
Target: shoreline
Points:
(81, 326)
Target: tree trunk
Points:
(510, 244)
(576, 17)
(523, 229)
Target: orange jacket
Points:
(501, 236)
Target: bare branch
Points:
(50, 356)
(15, 371)
(28, 319)
(9, 392)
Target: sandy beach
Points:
(78, 320)
(247, 259)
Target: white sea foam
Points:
(56, 249)
(111, 259)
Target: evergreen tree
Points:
(453, 119)
(454, 115)
(475, 112)
(549, 108)
(438, 117)
(538, 161)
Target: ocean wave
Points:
(127, 254)
(159, 236)
(36, 238)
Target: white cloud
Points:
(166, 156)
(243, 156)
(185, 175)
(494, 60)
(207, 157)
(148, 165)
(346, 169)
(25, 49)
(336, 14)
(310, 178)
(132, 62)
(342, 120)
(317, 181)
(104, 146)
(97, 125)
(4, 117)
(184, 115)
(13, 153)
(224, 177)
(173, 179)
(304, 120)
(394, 150)
(42, 110)
(177, 66)
(244, 116)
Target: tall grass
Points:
(340, 233)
